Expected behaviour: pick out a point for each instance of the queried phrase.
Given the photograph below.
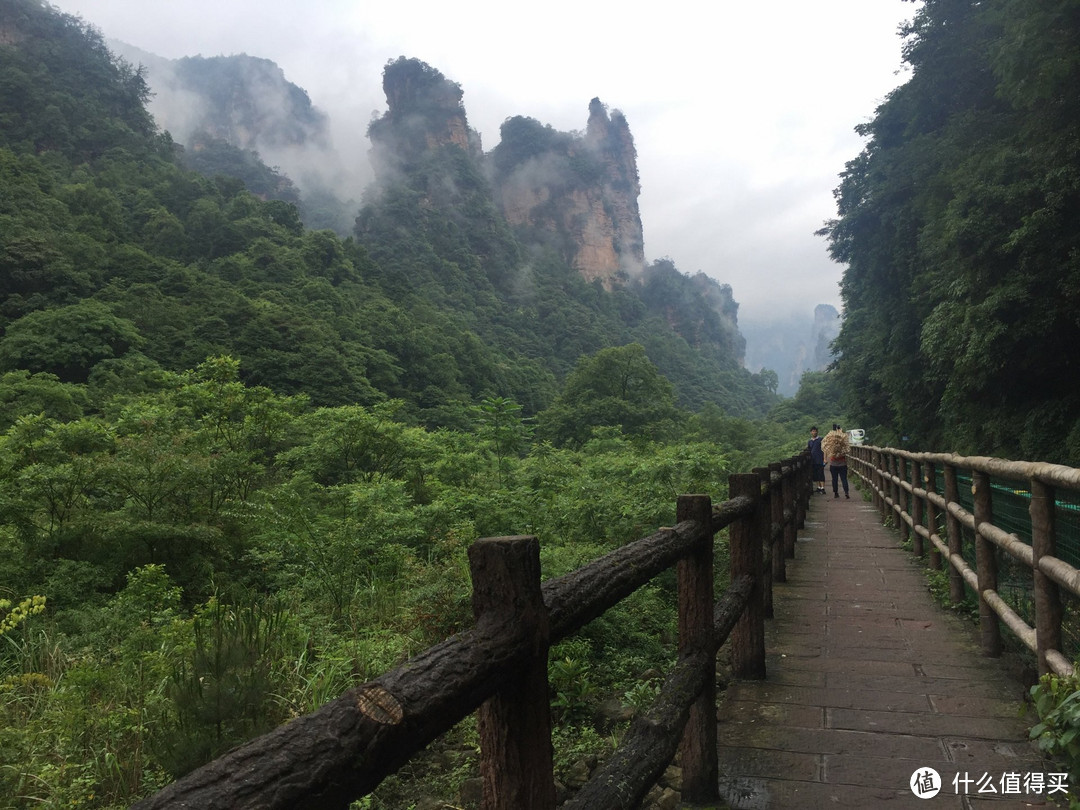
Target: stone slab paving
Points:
(869, 682)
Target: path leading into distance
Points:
(870, 682)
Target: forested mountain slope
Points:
(960, 226)
(437, 305)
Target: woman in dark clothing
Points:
(817, 461)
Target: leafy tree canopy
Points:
(616, 387)
(959, 227)
(67, 341)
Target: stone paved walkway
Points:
(868, 682)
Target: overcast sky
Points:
(743, 114)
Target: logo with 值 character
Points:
(925, 783)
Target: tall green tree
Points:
(958, 224)
(67, 341)
(502, 426)
(616, 387)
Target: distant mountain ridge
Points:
(240, 116)
(433, 297)
(793, 345)
(245, 100)
(576, 193)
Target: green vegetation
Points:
(214, 156)
(1057, 702)
(156, 530)
(241, 461)
(959, 225)
(617, 386)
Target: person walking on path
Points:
(835, 446)
(817, 460)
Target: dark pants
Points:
(817, 474)
(841, 473)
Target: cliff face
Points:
(825, 330)
(611, 141)
(250, 103)
(576, 193)
(424, 113)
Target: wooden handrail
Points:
(892, 491)
(343, 750)
(1052, 474)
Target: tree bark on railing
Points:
(748, 638)
(890, 486)
(772, 569)
(917, 510)
(902, 499)
(787, 489)
(802, 490)
(986, 564)
(514, 724)
(1048, 608)
(880, 493)
(955, 534)
(575, 599)
(694, 574)
(776, 525)
(930, 477)
(347, 747)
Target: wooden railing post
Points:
(764, 519)
(514, 724)
(930, 479)
(986, 564)
(787, 486)
(748, 637)
(700, 764)
(955, 532)
(802, 489)
(886, 486)
(873, 459)
(1048, 609)
(883, 472)
(776, 514)
(917, 509)
(902, 500)
(808, 485)
(894, 486)
(867, 468)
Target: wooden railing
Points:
(498, 668)
(905, 484)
